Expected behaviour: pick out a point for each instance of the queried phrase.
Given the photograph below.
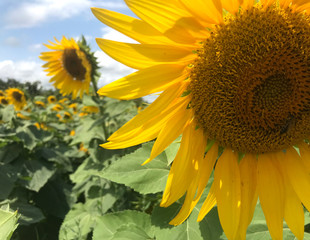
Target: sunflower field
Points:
(223, 152)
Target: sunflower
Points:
(3, 100)
(57, 107)
(39, 104)
(63, 100)
(51, 99)
(74, 107)
(69, 65)
(232, 75)
(16, 97)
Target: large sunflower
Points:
(233, 75)
(16, 97)
(69, 65)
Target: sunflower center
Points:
(251, 81)
(73, 64)
(17, 96)
(4, 101)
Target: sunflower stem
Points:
(95, 88)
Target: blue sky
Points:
(26, 24)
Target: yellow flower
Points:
(39, 104)
(67, 116)
(40, 126)
(74, 107)
(57, 107)
(16, 97)
(3, 100)
(90, 109)
(51, 99)
(63, 100)
(22, 116)
(72, 133)
(233, 74)
(69, 66)
(82, 148)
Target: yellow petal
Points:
(304, 150)
(168, 18)
(271, 193)
(293, 210)
(231, 6)
(209, 11)
(182, 166)
(140, 56)
(228, 192)
(298, 175)
(249, 195)
(170, 131)
(152, 111)
(150, 129)
(131, 27)
(208, 204)
(192, 196)
(146, 81)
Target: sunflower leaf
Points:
(150, 178)
(8, 223)
(124, 225)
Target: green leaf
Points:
(8, 176)
(38, 172)
(10, 152)
(88, 101)
(116, 107)
(8, 113)
(81, 219)
(8, 223)
(87, 131)
(27, 137)
(115, 226)
(150, 178)
(29, 213)
(54, 198)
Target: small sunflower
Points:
(39, 104)
(63, 100)
(51, 99)
(3, 100)
(74, 107)
(22, 116)
(71, 64)
(16, 97)
(57, 107)
(90, 109)
(233, 75)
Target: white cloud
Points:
(12, 41)
(30, 14)
(111, 34)
(36, 47)
(24, 71)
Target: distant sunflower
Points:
(16, 97)
(3, 100)
(74, 107)
(39, 104)
(71, 65)
(63, 100)
(51, 99)
(57, 107)
(234, 74)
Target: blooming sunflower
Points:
(16, 97)
(3, 100)
(71, 66)
(39, 104)
(233, 75)
(51, 99)
(57, 107)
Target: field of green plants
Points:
(58, 183)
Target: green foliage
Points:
(64, 186)
(8, 222)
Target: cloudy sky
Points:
(26, 24)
